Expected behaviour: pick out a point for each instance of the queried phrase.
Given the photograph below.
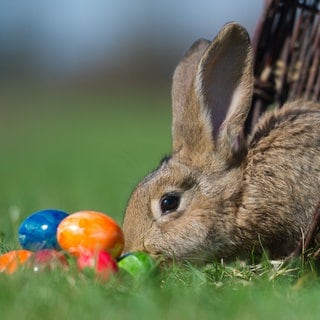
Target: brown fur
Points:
(236, 194)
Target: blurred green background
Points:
(70, 151)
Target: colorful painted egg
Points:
(101, 262)
(138, 264)
(87, 232)
(47, 260)
(12, 260)
(38, 231)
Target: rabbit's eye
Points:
(169, 202)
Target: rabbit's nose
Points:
(130, 247)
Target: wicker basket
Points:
(287, 54)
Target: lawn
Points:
(77, 151)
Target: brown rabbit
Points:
(221, 195)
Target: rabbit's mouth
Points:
(167, 258)
(172, 260)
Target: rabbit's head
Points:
(186, 209)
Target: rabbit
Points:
(221, 194)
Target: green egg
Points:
(137, 264)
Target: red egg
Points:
(47, 259)
(87, 232)
(101, 262)
(12, 260)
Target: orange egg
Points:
(90, 231)
(10, 261)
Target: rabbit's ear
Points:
(185, 73)
(184, 122)
(218, 104)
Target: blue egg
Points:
(39, 230)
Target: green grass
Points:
(87, 151)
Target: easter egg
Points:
(12, 260)
(38, 231)
(137, 264)
(87, 232)
(47, 260)
(101, 262)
